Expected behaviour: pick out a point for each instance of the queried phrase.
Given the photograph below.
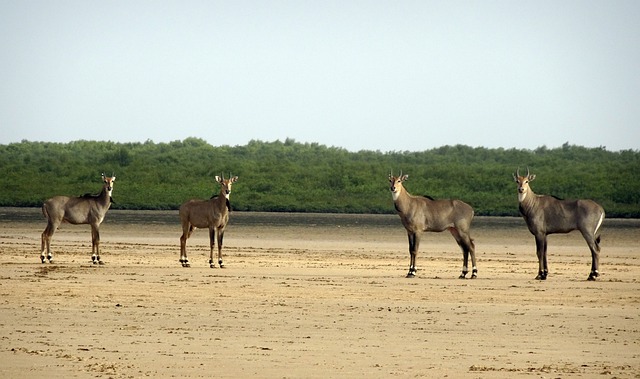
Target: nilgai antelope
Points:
(546, 215)
(85, 209)
(424, 214)
(212, 214)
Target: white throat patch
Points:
(521, 196)
(395, 195)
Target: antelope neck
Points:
(222, 200)
(104, 197)
(400, 198)
(526, 200)
(522, 196)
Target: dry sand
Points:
(306, 297)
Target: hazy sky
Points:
(374, 75)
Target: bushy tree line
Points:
(308, 177)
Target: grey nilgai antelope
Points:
(546, 215)
(424, 214)
(86, 209)
(212, 214)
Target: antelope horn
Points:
(528, 172)
(518, 171)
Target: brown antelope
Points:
(424, 214)
(546, 215)
(86, 209)
(212, 214)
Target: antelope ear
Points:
(218, 179)
(234, 179)
(113, 178)
(515, 177)
(531, 177)
(404, 177)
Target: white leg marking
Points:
(599, 223)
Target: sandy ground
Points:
(313, 300)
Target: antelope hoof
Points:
(463, 275)
(42, 258)
(474, 273)
(211, 264)
(541, 276)
(592, 277)
(220, 263)
(184, 262)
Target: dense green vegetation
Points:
(291, 176)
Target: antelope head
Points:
(523, 183)
(395, 184)
(226, 184)
(108, 183)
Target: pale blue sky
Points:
(374, 75)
